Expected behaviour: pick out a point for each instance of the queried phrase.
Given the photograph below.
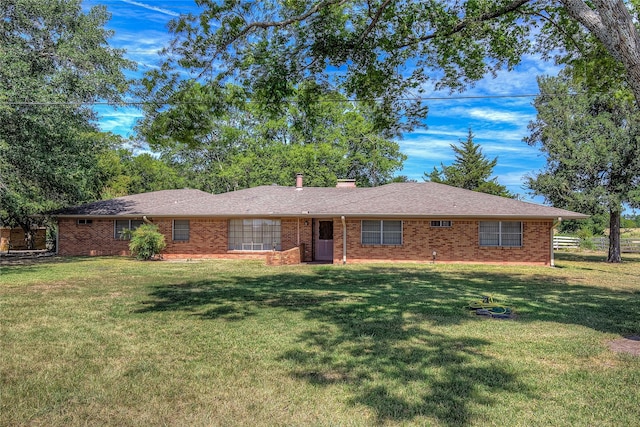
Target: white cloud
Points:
(119, 121)
(493, 115)
(426, 148)
(153, 8)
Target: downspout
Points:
(556, 222)
(344, 240)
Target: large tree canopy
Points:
(220, 142)
(384, 52)
(592, 144)
(54, 62)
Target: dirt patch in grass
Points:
(629, 345)
(26, 257)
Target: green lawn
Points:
(113, 341)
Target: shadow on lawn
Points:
(376, 337)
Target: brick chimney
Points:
(346, 183)
(299, 181)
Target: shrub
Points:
(146, 242)
(586, 235)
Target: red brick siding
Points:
(459, 243)
(91, 239)
(288, 257)
(208, 238)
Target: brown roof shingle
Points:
(408, 200)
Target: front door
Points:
(324, 240)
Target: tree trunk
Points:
(614, 236)
(29, 239)
(611, 22)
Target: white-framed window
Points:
(180, 230)
(501, 233)
(121, 225)
(84, 221)
(254, 234)
(381, 232)
(441, 223)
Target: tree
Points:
(225, 142)
(592, 144)
(54, 62)
(125, 173)
(383, 52)
(470, 170)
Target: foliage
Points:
(235, 343)
(596, 224)
(224, 142)
(631, 221)
(384, 53)
(125, 173)
(585, 234)
(55, 61)
(591, 141)
(470, 170)
(381, 53)
(146, 242)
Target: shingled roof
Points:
(400, 200)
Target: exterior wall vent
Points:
(346, 183)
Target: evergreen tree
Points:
(470, 170)
(592, 143)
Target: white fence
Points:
(626, 245)
(565, 242)
(599, 244)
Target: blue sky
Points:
(499, 123)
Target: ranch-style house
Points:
(412, 222)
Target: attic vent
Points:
(346, 183)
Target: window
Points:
(500, 233)
(254, 234)
(381, 232)
(125, 224)
(440, 223)
(85, 221)
(181, 230)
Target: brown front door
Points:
(324, 240)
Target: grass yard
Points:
(113, 341)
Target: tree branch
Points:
(374, 21)
(559, 29)
(286, 22)
(461, 25)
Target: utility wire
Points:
(162, 103)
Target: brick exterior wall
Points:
(459, 243)
(288, 257)
(208, 239)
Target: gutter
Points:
(344, 240)
(556, 222)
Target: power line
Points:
(139, 103)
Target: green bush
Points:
(146, 242)
(586, 234)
